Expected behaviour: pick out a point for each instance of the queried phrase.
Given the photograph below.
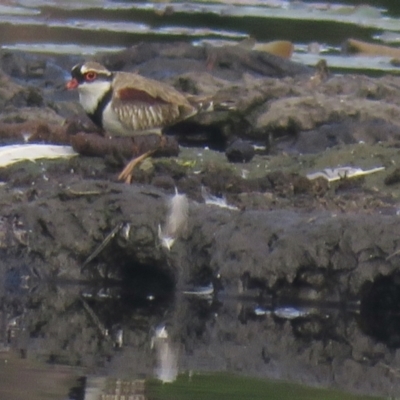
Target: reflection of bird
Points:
(127, 104)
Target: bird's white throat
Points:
(90, 94)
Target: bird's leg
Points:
(126, 174)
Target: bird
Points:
(129, 104)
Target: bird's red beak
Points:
(72, 84)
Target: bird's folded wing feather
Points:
(132, 88)
(144, 104)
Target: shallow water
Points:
(67, 341)
(104, 25)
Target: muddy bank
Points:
(318, 264)
(62, 223)
(284, 239)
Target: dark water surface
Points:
(86, 27)
(73, 342)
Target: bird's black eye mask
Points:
(77, 74)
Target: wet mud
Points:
(69, 230)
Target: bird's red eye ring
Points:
(90, 76)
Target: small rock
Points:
(393, 178)
(35, 69)
(164, 182)
(240, 151)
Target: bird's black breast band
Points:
(97, 115)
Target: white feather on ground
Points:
(215, 201)
(177, 218)
(32, 152)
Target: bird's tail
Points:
(208, 104)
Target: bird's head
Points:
(93, 82)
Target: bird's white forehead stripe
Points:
(85, 69)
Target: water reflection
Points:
(380, 310)
(74, 27)
(118, 340)
(167, 355)
(25, 378)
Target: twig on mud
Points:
(126, 147)
(394, 371)
(95, 319)
(103, 244)
(78, 193)
(392, 255)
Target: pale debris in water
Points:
(290, 312)
(177, 218)
(126, 229)
(22, 152)
(118, 337)
(334, 174)
(200, 291)
(215, 201)
(262, 311)
(167, 360)
(167, 355)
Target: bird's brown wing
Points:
(143, 103)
